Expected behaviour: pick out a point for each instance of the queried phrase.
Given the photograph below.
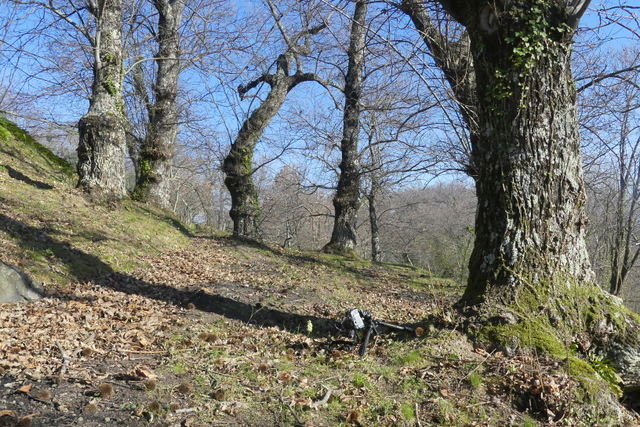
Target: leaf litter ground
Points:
(223, 333)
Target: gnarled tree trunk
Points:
(530, 220)
(347, 198)
(238, 165)
(157, 149)
(530, 279)
(102, 144)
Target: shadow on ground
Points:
(83, 266)
(24, 178)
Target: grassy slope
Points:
(50, 230)
(267, 375)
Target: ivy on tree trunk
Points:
(530, 280)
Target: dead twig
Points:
(186, 410)
(65, 361)
(293, 412)
(324, 400)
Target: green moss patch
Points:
(12, 136)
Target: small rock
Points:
(16, 286)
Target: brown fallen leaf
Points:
(44, 395)
(352, 416)
(480, 351)
(143, 371)
(445, 393)
(27, 420)
(7, 413)
(25, 388)
(106, 390)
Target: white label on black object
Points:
(358, 323)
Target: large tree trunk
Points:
(530, 188)
(347, 199)
(102, 143)
(530, 280)
(157, 149)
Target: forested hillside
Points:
(147, 321)
(319, 212)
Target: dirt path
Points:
(82, 355)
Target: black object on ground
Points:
(360, 326)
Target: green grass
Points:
(475, 380)
(57, 234)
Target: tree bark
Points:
(376, 250)
(238, 165)
(530, 280)
(530, 220)
(372, 197)
(102, 140)
(157, 149)
(347, 198)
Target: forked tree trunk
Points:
(156, 152)
(238, 165)
(347, 198)
(102, 143)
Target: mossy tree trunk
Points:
(530, 280)
(530, 223)
(238, 165)
(346, 201)
(102, 143)
(156, 151)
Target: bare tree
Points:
(347, 199)
(238, 165)
(614, 173)
(158, 145)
